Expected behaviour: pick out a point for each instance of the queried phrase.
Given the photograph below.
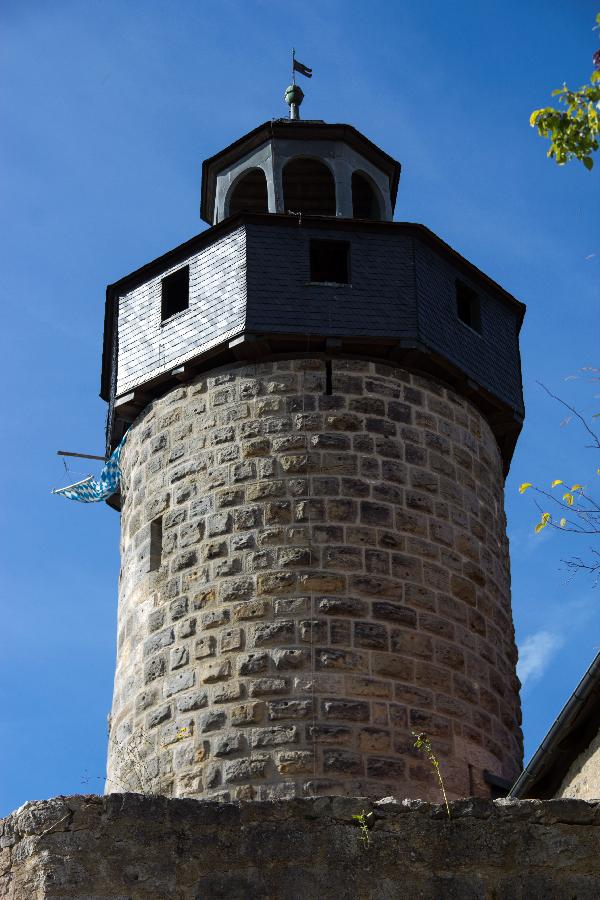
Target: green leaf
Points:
(588, 163)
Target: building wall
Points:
(582, 781)
(333, 576)
(149, 347)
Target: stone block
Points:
(362, 686)
(231, 639)
(182, 681)
(290, 709)
(213, 720)
(274, 736)
(343, 762)
(215, 618)
(333, 658)
(247, 713)
(154, 668)
(280, 632)
(158, 716)
(245, 769)
(159, 641)
(178, 657)
(395, 612)
(371, 635)
(226, 744)
(290, 658)
(263, 687)
(295, 762)
(275, 583)
(205, 646)
(343, 606)
(193, 701)
(228, 692)
(351, 710)
(219, 670)
(385, 767)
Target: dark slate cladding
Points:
(379, 301)
(491, 358)
(399, 288)
(251, 296)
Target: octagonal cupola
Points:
(303, 167)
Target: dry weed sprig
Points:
(424, 744)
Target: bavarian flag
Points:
(92, 490)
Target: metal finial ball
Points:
(293, 94)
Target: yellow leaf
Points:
(542, 524)
(528, 484)
(568, 498)
(563, 522)
(557, 481)
(577, 487)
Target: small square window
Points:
(468, 306)
(329, 261)
(175, 295)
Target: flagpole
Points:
(293, 68)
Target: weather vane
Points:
(294, 95)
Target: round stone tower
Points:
(322, 405)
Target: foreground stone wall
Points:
(132, 847)
(310, 572)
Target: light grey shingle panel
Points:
(149, 347)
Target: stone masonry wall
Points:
(583, 778)
(127, 847)
(310, 572)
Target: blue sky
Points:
(108, 110)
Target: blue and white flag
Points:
(91, 489)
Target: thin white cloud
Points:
(535, 654)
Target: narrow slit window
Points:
(156, 539)
(330, 262)
(468, 306)
(175, 296)
(328, 378)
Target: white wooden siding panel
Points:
(148, 348)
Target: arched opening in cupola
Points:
(365, 204)
(249, 193)
(308, 187)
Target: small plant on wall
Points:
(423, 744)
(364, 822)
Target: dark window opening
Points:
(467, 306)
(250, 194)
(328, 378)
(329, 261)
(499, 787)
(155, 544)
(175, 293)
(309, 188)
(364, 200)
